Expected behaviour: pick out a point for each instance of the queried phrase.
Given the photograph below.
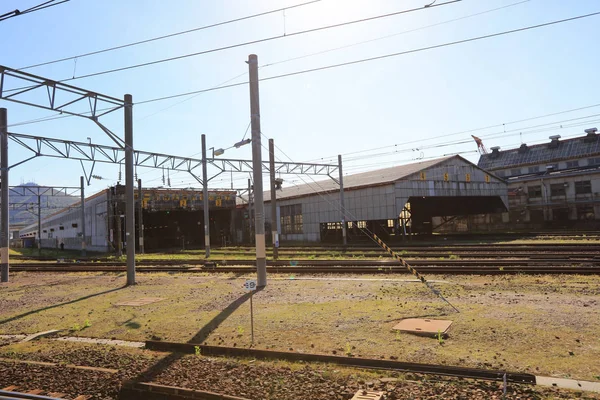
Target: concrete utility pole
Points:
(129, 187)
(39, 232)
(205, 203)
(342, 208)
(250, 217)
(4, 228)
(141, 216)
(259, 206)
(83, 244)
(274, 234)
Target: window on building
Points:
(585, 212)
(515, 171)
(334, 225)
(557, 189)
(390, 223)
(573, 164)
(583, 187)
(362, 224)
(291, 219)
(552, 167)
(350, 224)
(499, 174)
(533, 170)
(594, 161)
(534, 191)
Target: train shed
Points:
(391, 202)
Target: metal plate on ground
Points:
(425, 327)
(140, 302)
(368, 395)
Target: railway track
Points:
(335, 269)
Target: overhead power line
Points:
(168, 35)
(394, 34)
(284, 35)
(16, 13)
(362, 60)
(476, 130)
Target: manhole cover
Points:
(367, 395)
(140, 302)
(426, 327)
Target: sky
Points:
(380, 113)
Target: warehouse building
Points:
(554, 184)
(391, 202)
(171, 218)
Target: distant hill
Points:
(20, 204)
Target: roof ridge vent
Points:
(523, 148)
(554, 141)
(495, 151)
(591, 135)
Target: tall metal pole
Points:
(274, 234)
(4, 228)
(250, 216)
(205, 203)
(259, 206)
(141, 216)
(39, 232)
(83, 244)
(342, 208)
(129, 187)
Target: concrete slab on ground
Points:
(38, 335)
(101, 341)
(424, 327)
(368, 395)
(563, 383)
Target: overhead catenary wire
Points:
(91, 53)
(363, 60)
(16, 13)
(267, 39)
(393, 34)
(163, 98)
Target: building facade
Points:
(390, 202)
(555, 184)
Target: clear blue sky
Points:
(400, 103)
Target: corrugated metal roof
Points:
(370, 178)
(541, 153)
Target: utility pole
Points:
(119, 229)
(205, 203)
(39, 232)
(141, 216)
(129, 185)
(259, 206)
(274, 234)
(83, 244)
(343, 210)
(250, 217)
(4, 228)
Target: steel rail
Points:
(445, 370)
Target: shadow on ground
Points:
(198, 338)
(39, 310)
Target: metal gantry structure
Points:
(51, 191)
(60, 96)
(36, 91)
